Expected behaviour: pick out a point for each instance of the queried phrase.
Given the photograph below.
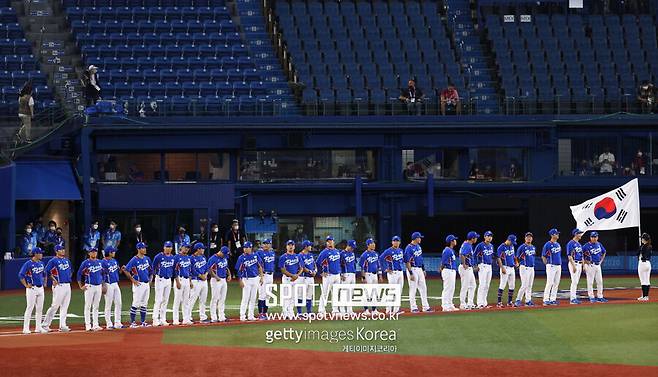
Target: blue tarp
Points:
(46, 180)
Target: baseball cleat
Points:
(547, 303)
(144, 324)
(42, 331)
(187, 323)
(517, 303)
(601, 299)
(574, 302)
(133, 325)
(643, 298)
(555, 303)
(262, 317)
(529, 303)
(109, 327)
(251, 318)
(414, 310)
(500, 305)
(428, 310)
(27, 332)
(156, 324)
(64, 329)
(510, 304)
(47, 328)
(165, 323)
(96, 328)
(592, 300)
(204, 321)
(366, 312)
(243, 320)
(176, 323)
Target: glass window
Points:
(128, 167)
(634, 159)
(145, 167)
(591, 156)
(419, 163)
(196, 166)
(497, 164)
(306, 164)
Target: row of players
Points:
(190, 276)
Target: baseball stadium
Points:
(311, 187)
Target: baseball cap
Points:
(594, 234)
(451, 238)
(472, 234)
(529, 234)
(576, 231)
(168, 244)
(553, 232)
(290, 242)
(37, 250)
(225, 249)
(268, 241)
(369, 241)
(395, 238)
(415, 235)
(198, 246)
(89, 251)
(488, 233)
(140, 245)
(110, 249)
(185, 244)
(512, 238)
(352, 244)
(306, 243)
(59, 247)
(248, 245)
(330, 238)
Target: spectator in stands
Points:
(26, 110)
(606, 162)
(409, 172)
(90, 83)
(647, 97)
(181, 238)
(639, 163)
(49, 238)
(28, 242)
(413, 97)
(585, 168)
(136, 237)
(450, 101)
(235, 239)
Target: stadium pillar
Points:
(430, 195)
(85, 147)
(358, 183)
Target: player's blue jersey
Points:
(593, 252)
(552, 251)
(307, 261)
(33, 273)
(448, 259)
(60, 269)
(413, 254)
(506, 254)
(182, 266)
(268, 259)
(140, 268)
(163, 265)
(392, 259)
(218, 265)
(484, 253)
(199, 266)
(110, 270)
(369, 262)
(575, 250)
(526, 255)
(291, 262)
(466, 251)
(91, 272)
(348, 262)
(329, 261)
(247, 265)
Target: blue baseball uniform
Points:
(448, 259)
(466, 251)
(182, 266)
(110, 270)
(247, 265)
(307, 261)
(575, 250)
(91, 272)
(33, 272)
(291, 262)
(552, 252)
(163, 265)
(413, 254)
(369, 262)
(392, 259)
(140, 268)
(60, 269)
(329, 261)
(218, 265)
(526, 255)
(594, 252)
(348, 262)
(199, 266)
(268, 259)
(484, 253)
(506, 254)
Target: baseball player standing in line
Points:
(309, 270)
(525, 255)
(139, 271)
(199, 285)
(60, 271)
(506, 263)
(290, 265)
(91, 285)
(370, 272)
(392, 263)
(552, 258)
(163, 268)
(33, 276)
(594, 254)
(484, 254)
(267, 256)
(575, 256)
(413, 258)
(644, 266)
(467, 291)
(219, 276)
(448, 274)
(348, 265)
(183, 284)
(112, 290)
(250, 274)
(329, 263)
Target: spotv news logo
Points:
(342, 295)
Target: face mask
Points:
(112, 227)
(215, 229)
(181, 231)
(95, 226)
(52, 228)
(59, 233)
(138, 230)
(639, 154)
(236, 227)
(28, 230)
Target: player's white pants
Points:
(327, 284)
(249, 295)
(527, 280)
(644, 271)
(267, 279)
(199, 291)
(162, 292)
(92, 302)
(34, 297)
(418, 284)
(217, 299)
(449, 277)
(508, 278)
(575, 278)
(553, 274)
(181, 300)
(141, 294)
(348, 278)
(61, 301)
(484, 277)
(371, 278)
(467, 291)
(288, 304)
(395, 277)
(113, 296)
(593, 272)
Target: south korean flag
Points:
(619, 208)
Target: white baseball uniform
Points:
(218, 288)
(484, 277)
(199, 291)
(644, 271)
(113, 297)
(92, 302)
(593, 273)
(418, 284)
(527, 280)
(348, 278)
(575, 278)
(395, 277)
(181, 300)
(467, 290)
(34, 297)
(449, 276)
(61, 301)
(162, 292)
(328, 282)
(249, 295)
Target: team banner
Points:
(619, 208)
